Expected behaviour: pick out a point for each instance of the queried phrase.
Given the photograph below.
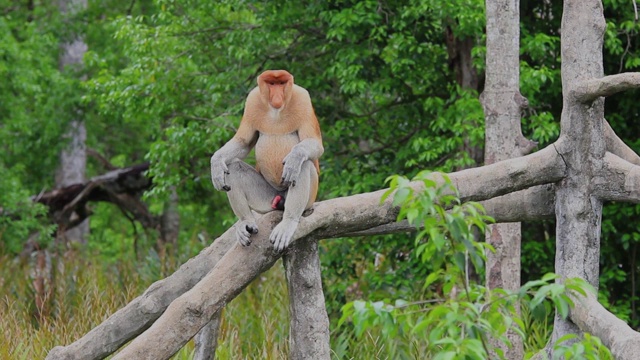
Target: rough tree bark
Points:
(206, 341)
(582, 146)
(503, 103)
(309, 322)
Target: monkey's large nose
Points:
(277, 100)
(277, 103)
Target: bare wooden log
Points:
(542, 167)
(619, 180)
(592, 317)
(592, 89)
(190, 312)
(139, 314)
(309, 322)
(535, 203)
(617, 147)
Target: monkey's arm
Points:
(309, 148)
(233, 149)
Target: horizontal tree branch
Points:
(619, 180)
(532, 204)
(191, 311)
(616, 146)
(592, 317)
(350, 215)
(590, 90)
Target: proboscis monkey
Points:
(280, 123)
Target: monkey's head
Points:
(276, 87)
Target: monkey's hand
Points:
(218, 171)
(282, 234)
(244, 230)
(292, 166)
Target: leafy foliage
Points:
(458, 323)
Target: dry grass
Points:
(254, 326)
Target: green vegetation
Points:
(164, 81)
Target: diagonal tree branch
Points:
(190, 312)
(593, 318)
(619, 180)
(590, 90)
(617, 147)
(139, 314)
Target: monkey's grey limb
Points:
(308, 149)
(249, 191)
(233, 149)
(295, 204)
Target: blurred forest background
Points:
(161, 85)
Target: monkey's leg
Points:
(249, 191)
(296, 202)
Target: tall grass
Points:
(254, 326)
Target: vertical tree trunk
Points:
(73, 159)
(309, 329)
(206, 340)
(461, 62)
(170, 222)
(582, 146)
(502, 103)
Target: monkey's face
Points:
(275, 87)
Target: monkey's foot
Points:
(244, 230)
(283, 233)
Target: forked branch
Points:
(606, 86)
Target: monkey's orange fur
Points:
(275, 130)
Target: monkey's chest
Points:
(271, 149)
